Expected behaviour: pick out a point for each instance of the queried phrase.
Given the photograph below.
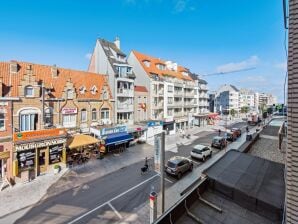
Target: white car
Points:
(201, 152)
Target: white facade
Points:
(108, 59)
(227, 98)
(267, 99)
(203, 97)
(171, 98)
(247, 99)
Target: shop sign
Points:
(4, 155)
(154, 123)
(31, 135)
(26, 159)
(118, 129)
(42, 144)
(69, 111)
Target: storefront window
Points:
(69, 120)
(2, 121)
(83, 115)
(56, 153)
(26, 159)
(105, 113)
(94, 115)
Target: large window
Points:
(105, 113)
(83, 115)
(94, 114)
(29, 91)
(69, 120)
(2, 121)
(28, 122)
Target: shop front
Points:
(201, 120)
(169, 127)
(114, 139)
(36, 152)
(139, 132)
(181, 124)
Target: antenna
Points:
(229, 72)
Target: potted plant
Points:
(56, 168)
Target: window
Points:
(2, 121)
(82, 89)
(69, 120)
(170, 89)
(105, 95)
(49, 116)
(69, 94)
(28, 122)
(139, 99)
(161, 66)
(29, 91)
(146, 63)
(93, 90)
(105, 113)
(170, 100)
(94, 114)
(83, 115)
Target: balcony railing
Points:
(125, 92)
(125, 106)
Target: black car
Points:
(219, 142)
(178, 165)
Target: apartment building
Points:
(227, 98)
(203, 96)
(172, 92)
(247, 99)
(267, 99)
(141, 110)
(108, 59)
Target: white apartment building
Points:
(267, 99)
(108, 59)
(247, 99)
(203, 96)
(172, 92)
(227, 98)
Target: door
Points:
(43, 163)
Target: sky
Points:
(205, 36)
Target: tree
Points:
(233, 112)
(244, 109)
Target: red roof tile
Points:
(141, 89)
(43, 73)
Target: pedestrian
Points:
(247, 130)
(219, 132)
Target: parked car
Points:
(201, 152)
(219, 142)
(237, 131)
(178, 165)
(231, 136)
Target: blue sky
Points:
(205, 36)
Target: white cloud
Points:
(88, 56)
(254, 80)
(235, 66)
(282, 66)
(180, 6)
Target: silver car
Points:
(178, 165)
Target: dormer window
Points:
(146, 63)
(82, 89)
(29, 91)
(69, 94)
(161, 66)
(13, 67)
(105, 95)
(93, 90)
(185, 73)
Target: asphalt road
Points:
(110, 198)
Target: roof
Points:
(152, 69)
(81, 140)
(107, 48)
(43, 74)
(199, 147)
(176, 159)
(251, 176)
(234, 87)
(141, 89)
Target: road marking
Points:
(107, 202)
(169, 180)
(114, 209)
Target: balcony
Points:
(177, 84)
(124, 107)
(178, 93)
(179, 114)
(189, 94)
(157, 105)
(125, 92)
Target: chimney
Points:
(117, 42)
(54, 71)
(13, 67)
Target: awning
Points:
(118, 138)
(80, 141)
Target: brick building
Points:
(46, 101)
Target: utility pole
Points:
(162, 165)
(42, 98)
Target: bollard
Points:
(153, 206)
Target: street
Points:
(110, 198)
